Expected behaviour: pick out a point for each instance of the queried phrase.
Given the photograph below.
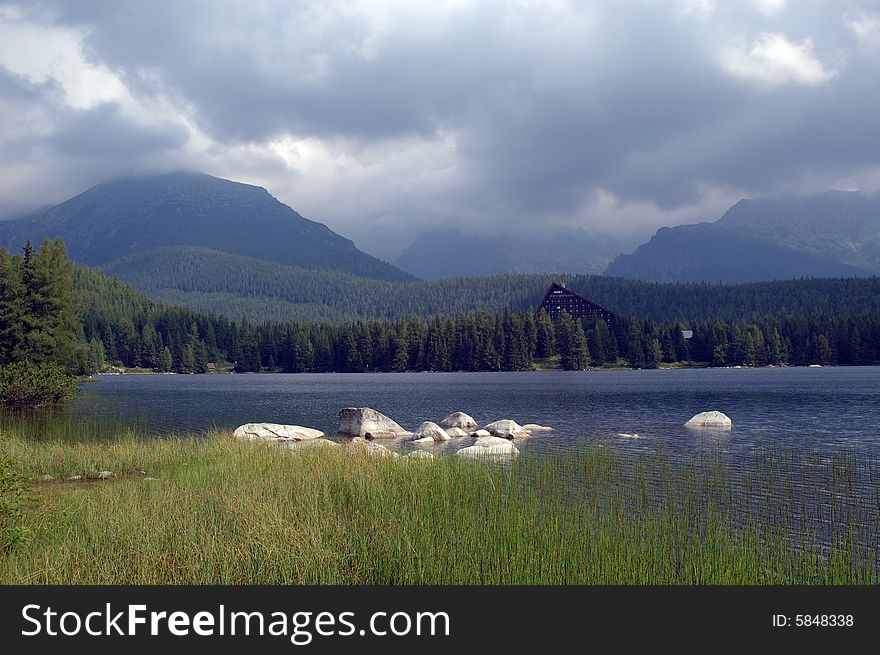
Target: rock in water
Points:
(534, 427)
(710, 420)
(429, 431)
(456, 433)
(361, 445)
(507, 429)
(476, 434)
(458, 420)
(368, 424)
(275, 432)
(494, 451)
(485, 442)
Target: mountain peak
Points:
(140, 213)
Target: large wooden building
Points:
(559, 298)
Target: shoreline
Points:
(216, 510)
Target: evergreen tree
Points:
(11, 308)
(545, 345)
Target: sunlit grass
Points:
(223, 512)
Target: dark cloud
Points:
(103, 132)
(546, 104)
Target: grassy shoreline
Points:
(219, 511)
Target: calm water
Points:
(823, 409)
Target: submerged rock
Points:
(484, 442)
(497, 450)
(275, 432)
(361, 445)
(710, 420)
(625, 435)
(367, 423)
(534, 427)
(458, 420)
(507, 429)
(429, 431)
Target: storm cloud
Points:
(386, 119)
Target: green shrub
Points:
(23, 384)
(15, 494)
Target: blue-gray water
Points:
(824, 409)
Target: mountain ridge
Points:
(137, 214)
(831, 234)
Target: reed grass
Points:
(225, 512)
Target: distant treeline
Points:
(236, 287)
(41, 304)
(138, 332)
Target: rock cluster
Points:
(363, 425)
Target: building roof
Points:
(562, 287)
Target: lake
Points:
(815, 409)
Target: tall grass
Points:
(223, 512)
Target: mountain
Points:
(707, 252)
(445, 253)
(832, 234)
(840, 225)
(137, 215)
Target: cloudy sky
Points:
(384, 119)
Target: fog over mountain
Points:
(389, 119)
(446, 253)
(830, 234)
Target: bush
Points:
(15, 494)
(23, 384)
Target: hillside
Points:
(237, 286)
(829, 234)
(137, 215)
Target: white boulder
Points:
(456, 433)
(476, 434)
(501, 450)
(485, 442)
(507, 429)
(429, 431)
(458, 420)
(275, 432)
(710, 420)
(534, 427)
(362, 446)
(367, 423)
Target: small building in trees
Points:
(559, 298)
